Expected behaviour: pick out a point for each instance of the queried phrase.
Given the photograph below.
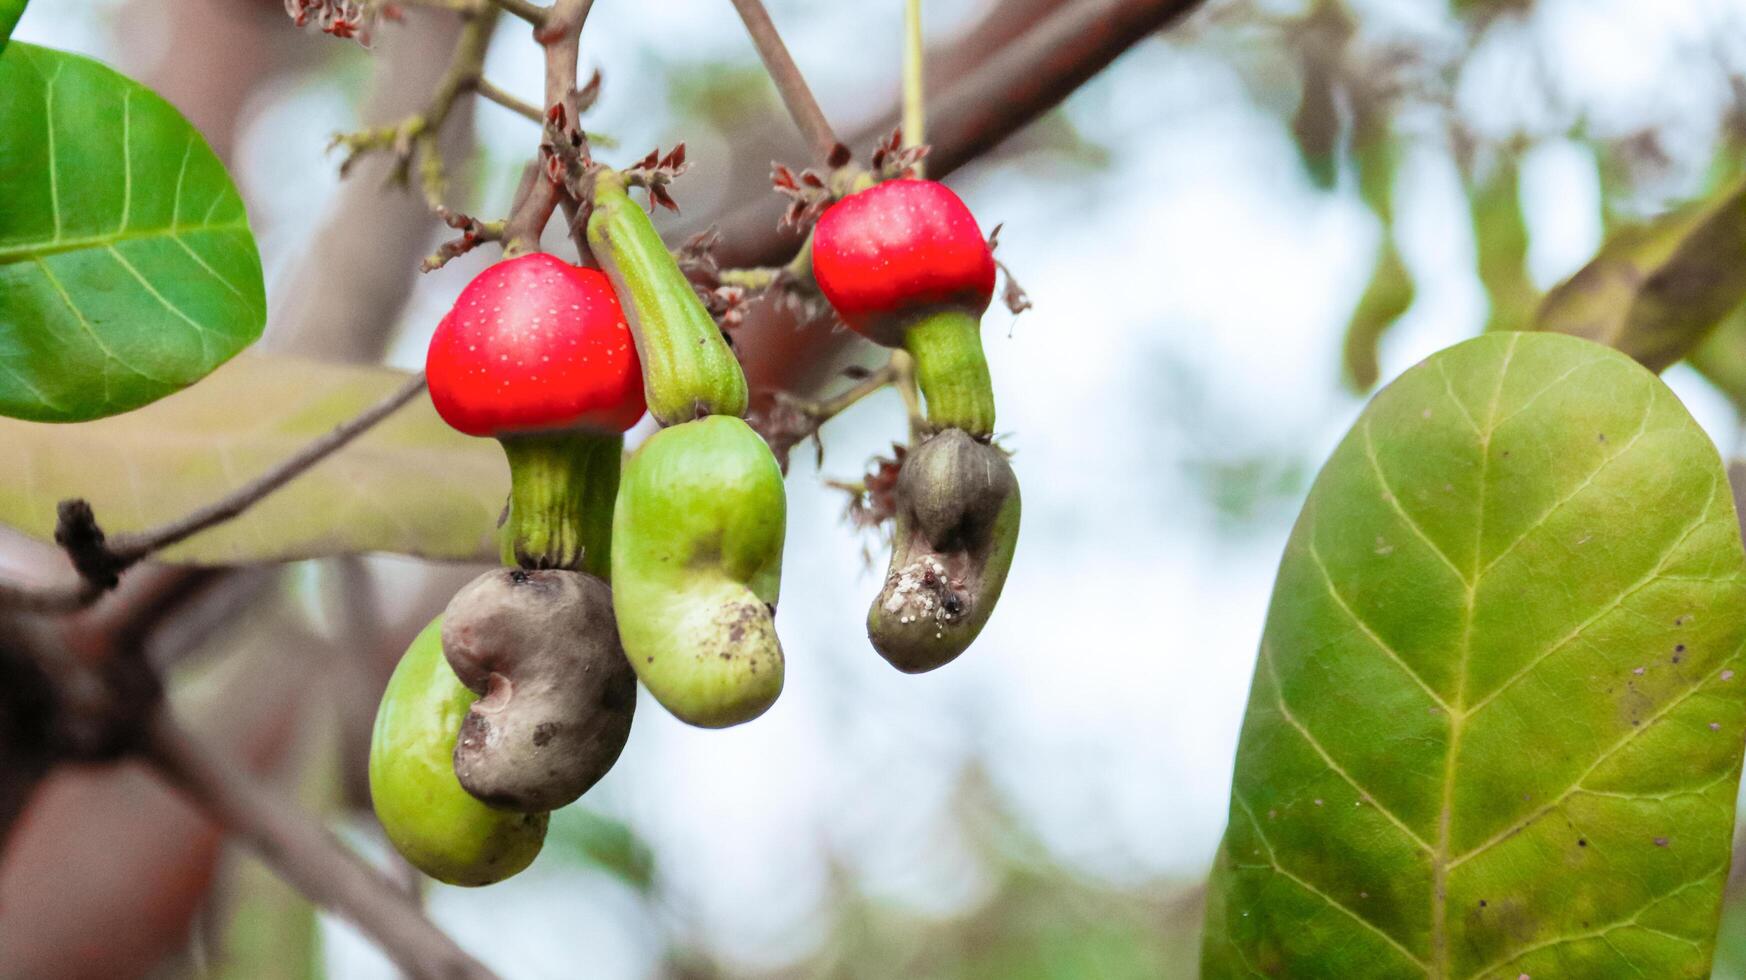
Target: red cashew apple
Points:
(905, 265)
(537, 352)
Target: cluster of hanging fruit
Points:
(665, 567)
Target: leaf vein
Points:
(1327, 759)
(202, 331)
(1630, 921)
(1539, 522)
(1649, 578)
(1606, 754)
(90, 329)
(1336, 904)
(1389, 497)
(1371, 634)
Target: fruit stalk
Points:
(562, 488)
(952, 371)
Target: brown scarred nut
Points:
(957, 525)
(556, 693)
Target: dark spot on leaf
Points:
(1482, 903)
(1582, 842)
(1602, 436)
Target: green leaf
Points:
(1387, 296)
(1655, 291)
(1318, 46)
(10, 11)
(410, 485)
(127, 270)
(1721, 358)
(1389, 293)
(601, 842)
(1500, 234)
(1496, 723)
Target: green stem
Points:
(562, 486)
(952, 371)
(914, 92)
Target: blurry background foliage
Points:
(1231, 235)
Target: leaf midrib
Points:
(1458, 717)
(37, 250)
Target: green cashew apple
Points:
(696, 567)
(688, 369)
(432, 821)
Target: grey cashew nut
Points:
(556, 693)
(957, 525)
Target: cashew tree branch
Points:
(796, 95)
(305, 854)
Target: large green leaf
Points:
(410, 485)
(10, 11)
(1496, 724)
(127, 270)
(1656, 290)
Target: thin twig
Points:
(533, 13)
(1008, 89)
(790, 421)
(789, 82)
(914, 82)
(415, 137)
(100, 559)
(133, 547)
(823, 411)
(489, 91)
(305, 854)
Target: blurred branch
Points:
(794, 420)
(560, 33)
(305, 854)
(530, 12)
(491, 93)
(1007, 90)
(790, 83)
(100, 560)
(416, 136)
(915, 93)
